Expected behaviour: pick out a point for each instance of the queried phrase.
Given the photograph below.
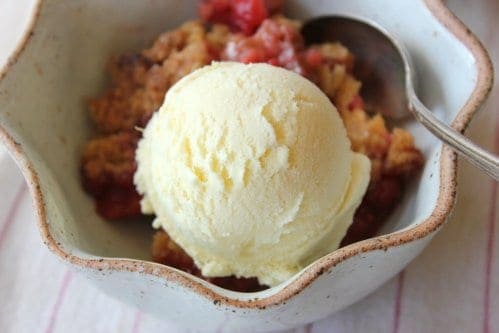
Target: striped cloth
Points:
(449, 288)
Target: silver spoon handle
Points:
(478, 156)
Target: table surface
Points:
(448, 288)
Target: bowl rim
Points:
(445, 200)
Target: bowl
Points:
(59, 62)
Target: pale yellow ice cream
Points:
(249, 169)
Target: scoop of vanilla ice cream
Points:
(249, 169)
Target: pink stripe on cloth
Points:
(11, 214)
(136, 322)
(398, 302)
(60, 298)
(489, 259)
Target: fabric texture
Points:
(450, 287)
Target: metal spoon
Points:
(384, 67)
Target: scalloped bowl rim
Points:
(445, 201)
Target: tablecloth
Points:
(451, 287)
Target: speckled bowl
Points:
(59, 62)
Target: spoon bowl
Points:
(377, 61)
(388, 76)
(44, 123)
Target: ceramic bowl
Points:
(60, 62)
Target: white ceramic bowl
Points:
(60, 62)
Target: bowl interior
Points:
(42, 101)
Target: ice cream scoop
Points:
(249, 169)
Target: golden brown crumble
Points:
(138, 85)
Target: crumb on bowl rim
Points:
(445, 201)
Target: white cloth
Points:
(451, 287)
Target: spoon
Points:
(388, 80)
